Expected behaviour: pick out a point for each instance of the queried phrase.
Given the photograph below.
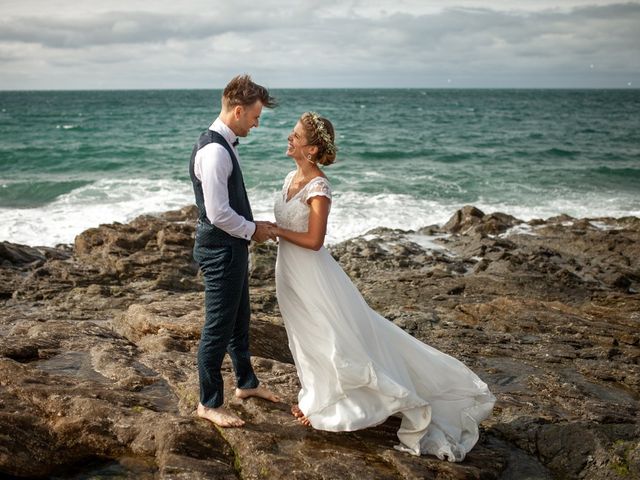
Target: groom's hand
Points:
(264, 231)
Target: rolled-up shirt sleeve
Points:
(213, 167)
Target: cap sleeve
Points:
(319, 187)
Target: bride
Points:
(357, 368)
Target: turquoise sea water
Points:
(408, 158)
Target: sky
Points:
(133, 44)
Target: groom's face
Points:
(247, 118)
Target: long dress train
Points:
(357, 368)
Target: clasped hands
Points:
(264, 231)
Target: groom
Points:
(223, 232)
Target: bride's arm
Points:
(313, 238)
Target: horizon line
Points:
(311, 88)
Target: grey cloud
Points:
(111, 28)
(315, 44)
(132, 27)
(466, 36)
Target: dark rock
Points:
(457, 290)
(15, 255)
(263, 262)
(463, 219)
(471, 220)
(98, 352)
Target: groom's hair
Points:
(241, 90)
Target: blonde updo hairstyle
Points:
(320, 133)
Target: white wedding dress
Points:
(357, 368)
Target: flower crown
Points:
(322, 133)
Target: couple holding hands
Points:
(355, 367)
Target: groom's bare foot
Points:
(259, 392)
(295, 410)
(220, 416)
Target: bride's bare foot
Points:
(259, 392)
(220, 416)
(295, 410)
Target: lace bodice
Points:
(294, 214)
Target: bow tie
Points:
(236, 142)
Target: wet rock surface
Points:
(98, 352)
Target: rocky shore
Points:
(98, 342)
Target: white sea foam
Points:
(104, 201)
(520, 229)
(578, 207)
(428, 242)
(352, 213)
(602, 225)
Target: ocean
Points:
(408, 158)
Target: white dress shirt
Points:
(213, 168)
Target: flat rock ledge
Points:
(98, 352)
